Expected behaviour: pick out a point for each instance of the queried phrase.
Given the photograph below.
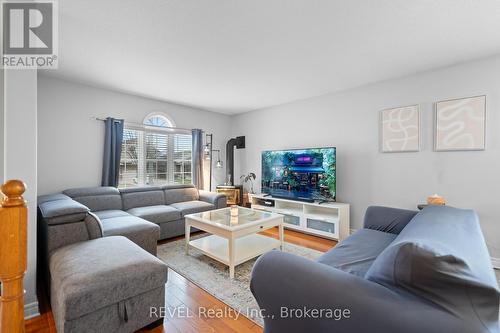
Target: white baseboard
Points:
(31, 310)
(352, 231)
(496, 263)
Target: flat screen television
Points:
(300, 174)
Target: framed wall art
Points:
(460, 124)
(400, 129)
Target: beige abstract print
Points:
(460, 124)
(400, 129)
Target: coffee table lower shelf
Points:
(246, 247)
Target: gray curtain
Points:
(197, 158)
(112, 150)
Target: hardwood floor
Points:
(185, 297)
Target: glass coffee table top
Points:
(232, 216)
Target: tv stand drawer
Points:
(291, 219)
(323, 226)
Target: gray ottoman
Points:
(106, 284)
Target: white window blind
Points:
(154, 157)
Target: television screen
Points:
(302, 174)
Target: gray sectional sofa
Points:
(97, 247)
(143, 214)
(403, 272)
(164, 206)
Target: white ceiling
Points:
(233, 56)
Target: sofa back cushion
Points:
(180, 193)
(441, 256)
(356, 254)
(142, 197)
(97, 198)
(387, 219)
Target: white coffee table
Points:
(234, 239)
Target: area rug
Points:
(213, 277)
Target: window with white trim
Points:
(155, 154)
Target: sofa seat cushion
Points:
(156, 214)
(106, 214)
(143, 233)
(191, 207)
(91, 275)
(357, 253)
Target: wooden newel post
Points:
(13, 237)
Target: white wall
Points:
(20, 142)
(70, 145)
(349, 121)
(2, 129)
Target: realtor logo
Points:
(29, 34)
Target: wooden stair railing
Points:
(13, 237)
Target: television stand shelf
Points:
(327, 219)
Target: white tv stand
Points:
(329, 220)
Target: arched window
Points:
(156, 153)
(158, 119)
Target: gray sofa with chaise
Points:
(144, 214)
(97, 247)
(403, 272)
(164, 206)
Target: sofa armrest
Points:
(288, 288)
(51, 197)
(94, 226)
(217, 199)
(61, 210)
(386, 219)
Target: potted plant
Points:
(250, 177)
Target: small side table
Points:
(422, 206)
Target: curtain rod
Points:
(130, 123)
